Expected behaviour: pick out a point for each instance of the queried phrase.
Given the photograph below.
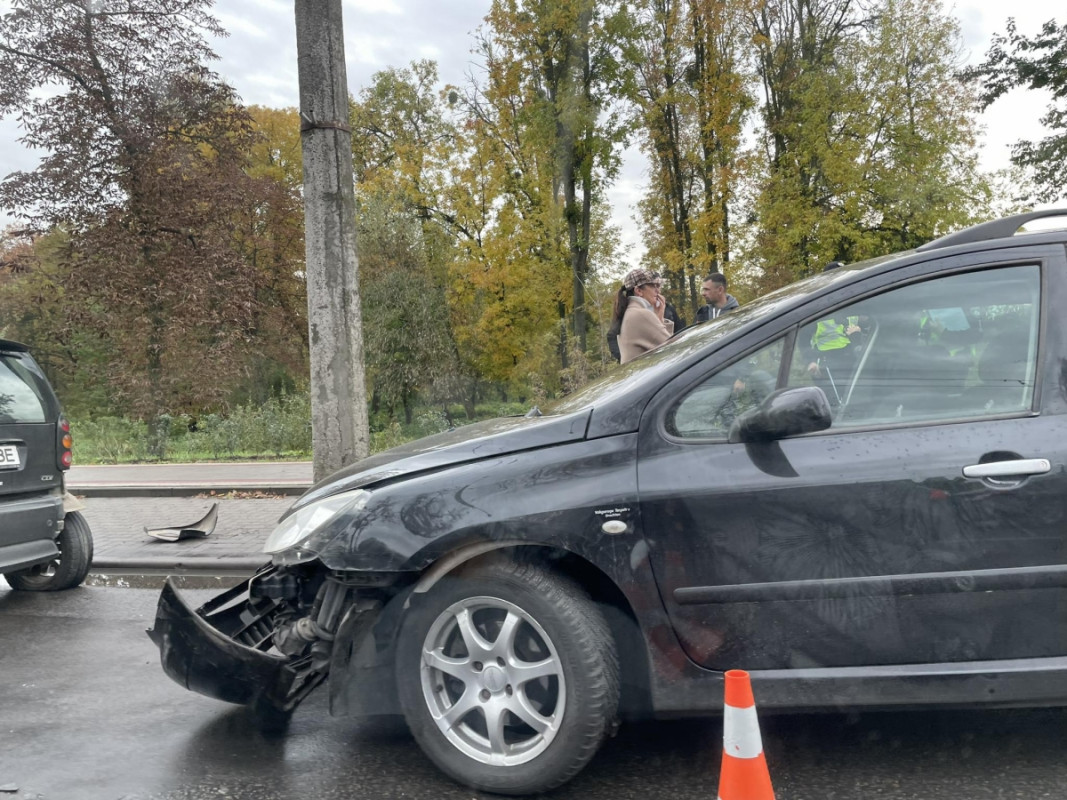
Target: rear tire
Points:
(508, 677)
(66, 570)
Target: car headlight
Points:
(299, 526)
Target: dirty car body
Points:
(876, 527)
(45, 543)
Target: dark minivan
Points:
(45, 543)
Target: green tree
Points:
(809, 101)
(406, 150)
(920, 174)
(1037, 62)
(409, 347)
(870, 133)
(553, 69)
(402, 138)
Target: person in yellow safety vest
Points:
(830, 335)
(930, 328)
(832, 355)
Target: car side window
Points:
(18, 400)
(955, 347)
(707, 411)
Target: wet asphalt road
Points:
(87, 714)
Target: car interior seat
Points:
(1002, 373)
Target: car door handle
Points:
(1008, 469)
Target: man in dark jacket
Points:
(718, 301)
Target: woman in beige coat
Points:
(639, 311)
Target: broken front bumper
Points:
(222, 649)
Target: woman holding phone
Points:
(638, 315)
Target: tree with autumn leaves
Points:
(161, 259)
(510, 169)
(869, 133)
(543, 129)
(780, 134)
(692, 96)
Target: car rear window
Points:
(20, 399)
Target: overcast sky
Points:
(259, 59)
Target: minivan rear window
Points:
(20, 399)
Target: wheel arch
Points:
(374, 668)
(620, 615)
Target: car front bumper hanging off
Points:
(220, 649)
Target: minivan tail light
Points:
(64, 456)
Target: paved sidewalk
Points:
(121, 501)
(120, 541)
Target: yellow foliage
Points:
(276, 153)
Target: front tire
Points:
(66, 570)
(508, 677)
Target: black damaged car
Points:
(45, 542)
(855, 488)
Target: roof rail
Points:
(995, 229)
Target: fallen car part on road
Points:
(196, 530)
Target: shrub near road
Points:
(279, 428)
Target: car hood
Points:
(473, 442)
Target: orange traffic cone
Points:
(744, 774)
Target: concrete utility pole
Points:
(339, 424)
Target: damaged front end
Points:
(267, 642)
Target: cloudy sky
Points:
(259, 59)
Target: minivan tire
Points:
(66, 570)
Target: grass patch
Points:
(278, 430)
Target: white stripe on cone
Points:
(740, 732)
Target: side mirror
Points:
(784, 413)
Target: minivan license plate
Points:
(9, 456)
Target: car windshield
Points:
(698, 338)
(20, 399)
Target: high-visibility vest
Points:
(829, 336)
